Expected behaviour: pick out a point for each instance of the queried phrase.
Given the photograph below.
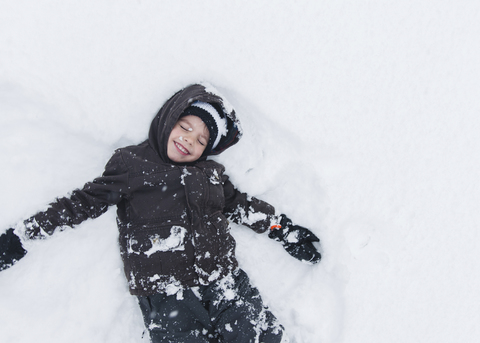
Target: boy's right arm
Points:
(89, 202)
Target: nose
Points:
(187, 139)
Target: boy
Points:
(172, 208)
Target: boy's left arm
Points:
(249, 211)
(260, 216)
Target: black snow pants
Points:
(229, 310)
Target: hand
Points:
(297, 240)
(11, 249)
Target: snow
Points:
(360, 121)
(174, 242)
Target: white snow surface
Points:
(361, 121)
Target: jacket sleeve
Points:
(89, 202)
(249, 211)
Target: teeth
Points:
(181, 148)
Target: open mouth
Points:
(181, 149)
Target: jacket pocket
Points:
(153, 254)
(149, 241)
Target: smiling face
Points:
(188, 140)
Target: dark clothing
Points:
(172, 218)
(229, 310)
(177, 251)
(11, 249)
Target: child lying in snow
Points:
(172, 210)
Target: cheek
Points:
(174, 132)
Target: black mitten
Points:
(297, 240)
(11, 249)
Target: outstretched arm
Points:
(259, 216)
(89, 202)
(249, 211)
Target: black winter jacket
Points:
(172, 219)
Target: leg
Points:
(169, 319)
(238, 313)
